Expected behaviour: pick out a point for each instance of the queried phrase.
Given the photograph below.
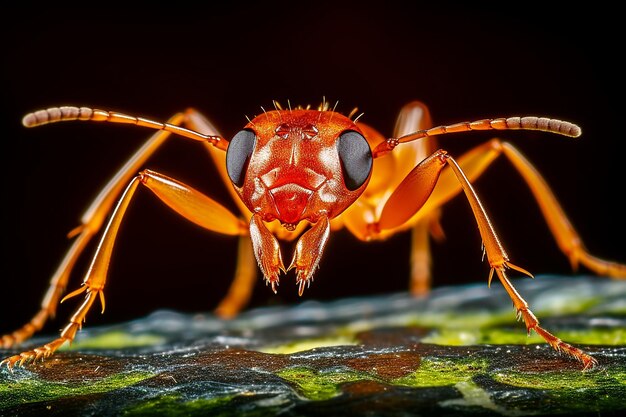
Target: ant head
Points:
(298, 164)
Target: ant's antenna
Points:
(68, 113)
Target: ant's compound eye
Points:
(238, 155)
(356, 158)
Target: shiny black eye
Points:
(356, 158)
(238, 155)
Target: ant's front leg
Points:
(499, 262)
(91, 223)
(183, 199)
(411, 195)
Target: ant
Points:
(298, 174)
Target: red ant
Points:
(298, 174)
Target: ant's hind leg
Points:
(564, 233)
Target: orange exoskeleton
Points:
(298, 174)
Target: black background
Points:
(227, 61)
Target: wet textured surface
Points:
(457, 352)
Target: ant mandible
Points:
(298, 174)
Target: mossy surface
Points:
(458, 352)
(562, 379)
(320, 385)
(518, 336)
(116, 339)
(436, 372)
(571, 391)
(27, 390)
(308, 344)
(176, 406)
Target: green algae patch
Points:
(503, 336)
(436, 372)
(452, 337)
(549, 306)
(31, 390)
(613, 337)
(509, 337)
(619, 375)
(115, 340)
(174, 405)
(453, 320)
(566, 392)
(562, 379)
(491, 336)
(320, 385)
(308, 344)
